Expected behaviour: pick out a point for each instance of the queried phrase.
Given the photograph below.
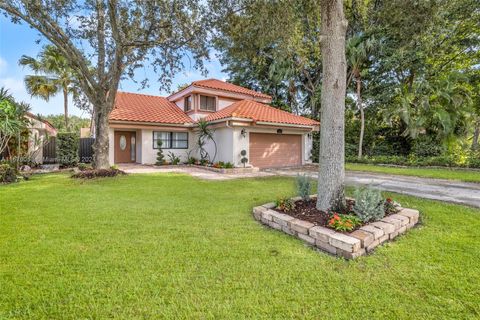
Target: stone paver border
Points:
(347, 245)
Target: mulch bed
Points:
(97, 173)
(307, 211)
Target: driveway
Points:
(436, 189)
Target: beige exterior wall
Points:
(230, 143)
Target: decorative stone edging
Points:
(347, 245)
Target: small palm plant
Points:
(205, 133)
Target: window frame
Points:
(170, 140)
(188, 98)
(208, 96)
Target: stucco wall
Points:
(149, 154)
(224, 139)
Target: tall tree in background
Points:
(117, 38)
(359, 49)
(53, 75)
(331, 174)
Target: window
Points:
(171, 140)
(179, 140)
(162, 136)
(207, 103)
(188, 103)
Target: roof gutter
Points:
(285, 124)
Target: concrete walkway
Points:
(436, 189)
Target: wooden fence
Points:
(85, 150)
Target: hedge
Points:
(67, 149)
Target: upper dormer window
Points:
(207, 103)
(188, 103)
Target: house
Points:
(245, 126)
(39, 132)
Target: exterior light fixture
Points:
(279, 131)
(243, 133)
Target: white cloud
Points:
(15, 86)
(3, 66)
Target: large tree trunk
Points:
(332, 119)
(362, 117)
(476, 136)
(65, 107)
(101, 144)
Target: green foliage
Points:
(192, 160)
(427, 146)
(205, 134)
(98, 173)
(74, 122)
(344, 222)
(228, 165)
(160, 157)
(12, 119)
(368, 204)
(67, 149)
(174, 159)
(8, 173)
(285, 204)
(84, 166)
(304, 185)
(223, 165)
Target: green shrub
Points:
(426, 146)
(84, 166)
(191, 160)
(160, 157)
(8, 173)
(285, 204)
(368, 204)
(98, 173)
(173, 158)
(303, 184)
(67, 149)
(228, 165)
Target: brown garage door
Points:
(275, 150)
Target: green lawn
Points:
(171, 246)
(440, 173)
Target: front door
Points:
(125, 146)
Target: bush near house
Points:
(67, 149)
(8, 173)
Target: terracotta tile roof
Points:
(226, 86)
(146, 108)
(257, 111)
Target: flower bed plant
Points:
(357, 229)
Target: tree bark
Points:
(101, 144)
(362, 117)
(476, 136)
(65, 107)
(332, 119)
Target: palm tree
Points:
(205, 134)
(358, 52)
(52, 76)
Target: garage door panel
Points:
(275, 150)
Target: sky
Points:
(17, 40)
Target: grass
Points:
(439, 173)
(171, 246)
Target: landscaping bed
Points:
(340, 234)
